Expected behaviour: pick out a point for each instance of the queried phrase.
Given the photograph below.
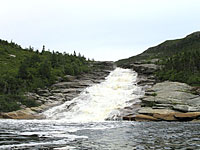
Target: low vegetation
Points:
(182, 67)
(24, 70)
(179, 59)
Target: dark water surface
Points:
(49, 134)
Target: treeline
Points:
(182, 67)
(166, 49)
(24, 70)
(180, 59)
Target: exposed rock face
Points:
(166, 101)
(65, 89)
(145, 68)
(145, 71)
(172, 95)
(170, 101)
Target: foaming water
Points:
(100, 101)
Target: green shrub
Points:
(30, 70)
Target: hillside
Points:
(179, 59)
(25, 70)
(166, 49)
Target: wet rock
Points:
(160, 114)
(128, 111)
(141, 117)
(169, 115)
(187, 116)
(20, 114)
(165, 117)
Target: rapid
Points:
(100, 101)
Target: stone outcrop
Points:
(172, 95)
(165, 101)
(145, 71)
(21, 114)
(169, 101)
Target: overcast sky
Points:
(99, 29)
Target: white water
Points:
(100, 101)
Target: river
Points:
(80, 124)
(119, 135)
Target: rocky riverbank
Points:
(65, 89)
(163, 101)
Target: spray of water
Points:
(97, 102)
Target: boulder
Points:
(20, 114)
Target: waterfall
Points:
(98, 102)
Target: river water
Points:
(80, 124)
(61, 135)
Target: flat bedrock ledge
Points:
(158, 115)
(168, 101)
